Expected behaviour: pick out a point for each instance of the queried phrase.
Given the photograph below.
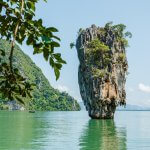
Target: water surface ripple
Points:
(74, 131)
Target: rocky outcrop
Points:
(13, 105)
(102, 69)
(10, 105)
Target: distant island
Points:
(130, 107)
(45, 97)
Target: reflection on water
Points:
(103, 135)
(41, 130)
(19, 130)
(73, 131)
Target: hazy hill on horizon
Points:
(128, 107)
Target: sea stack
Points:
(102, 69)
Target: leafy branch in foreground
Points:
(17, 24)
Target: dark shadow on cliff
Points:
(103, 135)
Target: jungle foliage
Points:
(44, 96)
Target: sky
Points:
(70, 15)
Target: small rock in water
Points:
(31, 111)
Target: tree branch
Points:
(14, 38)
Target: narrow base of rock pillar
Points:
(106, 112)
(101, 117)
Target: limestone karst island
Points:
(103, 67)
(74, 75)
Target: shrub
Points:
(96, 46)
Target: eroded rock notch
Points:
(103, 68)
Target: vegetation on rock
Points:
(100, 51)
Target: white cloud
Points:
(144, 88)
(62, 88)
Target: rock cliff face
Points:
(102, 69)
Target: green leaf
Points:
(37, 51)
(57, 56)
(62, 61)
(40, 22)
(128, 34)
(72, 45)
(46, 39)
(52, 29)
(31, 5)
(55, 44)
(56, 38)
(57, 73)
(30, 40)
(51, 62)
(46, 54)
(58, 65)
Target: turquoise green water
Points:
(74, 131)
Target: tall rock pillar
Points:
(102, 69)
